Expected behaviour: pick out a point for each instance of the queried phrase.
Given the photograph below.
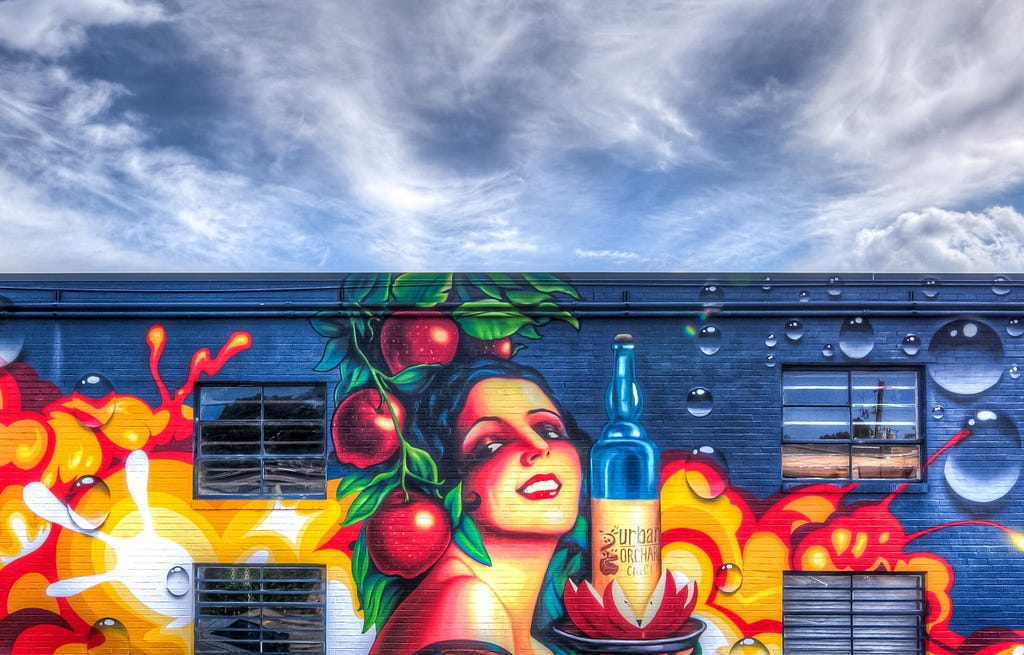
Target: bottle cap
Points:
(623, 338)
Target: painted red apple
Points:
(411, 338)
(406, 537)
(363, 429)
(610, 616)
(501, 348)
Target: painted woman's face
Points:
(519, 459)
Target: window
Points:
(853, 424)
(260, 609)
(853, 613)
(261, 441)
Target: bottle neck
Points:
(624, 401)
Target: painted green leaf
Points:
(353, 483)
(421, 289)
(453, 503)
(551, 284)
(527, 297)
(334, 352)
(360, 561)
(467, 537)
(366, 288)
(372, 593)
(421, 464)
(330, 324)
(484, 284)
(368, 500)
(408, 380)
(502, 280)
(489, 319)
(529, 331)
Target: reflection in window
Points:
(851, 424)
(260, 609)
(853, 613)
(264, 441)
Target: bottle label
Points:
(626, 541)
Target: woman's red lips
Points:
(539, 487)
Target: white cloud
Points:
(613, 255)
(940, 240)
(55, 27)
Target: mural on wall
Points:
(461, 511)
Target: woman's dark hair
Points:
(436, 412)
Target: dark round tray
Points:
(572, 636)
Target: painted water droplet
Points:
(11, 342)
(178, 581)
(1015, 327)
(88, 502)
(728, 578)
(794, 330)
(709, 339)
(707, 472)
(938, 412)
(111, 635)
(828, 351)
(1000, 285)
(699, 401)
(804, 295)
(712, 296)
(771, 340)
(930, 287)
(985, 466)
(967, 357)
(769, 361)
(856, 337)
(766, 283)
(748, 646)
(834, 286)
(911, 344)
(94, 385)
(1015, 371)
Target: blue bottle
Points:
(624, 476)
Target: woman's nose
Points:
(535, 449)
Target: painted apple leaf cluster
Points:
(391, 335)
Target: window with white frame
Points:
(261, 441)
(851, 423)
(853, 613)
(260, 609)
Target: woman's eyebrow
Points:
(544, 410)
(468, 441)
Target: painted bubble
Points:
(94, 385)
(88, 502)
(805, 295)
(1015, 327)
(728, 578)
(856, 337)
(709, 339)
(748, 646)
(178, 581)
(712, 296)
(769, 361)
(985, 466)
(112, 634)
(930, 287)
(771, 340)
(967, 357)
(938, 412)
(834, 286)
(11, 343)
(707, 472)
(699, 401)
(911, 344)
(1000, 285)
(828, 351)
(766, 283)
(1015, 371)
(794, 330)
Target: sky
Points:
(379, 135)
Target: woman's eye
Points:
(550, 432)
(493, 447)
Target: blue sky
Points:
(305, 135)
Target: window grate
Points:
(853, 613)
(260, 609)
(261, 441)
